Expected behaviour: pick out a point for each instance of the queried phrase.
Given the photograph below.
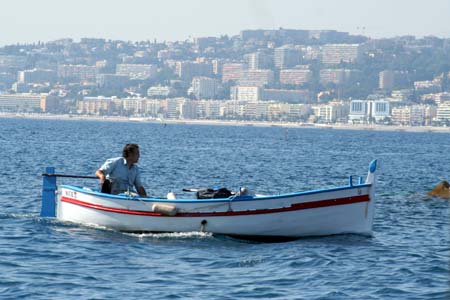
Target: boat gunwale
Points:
(232, 198)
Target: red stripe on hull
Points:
(293, 207)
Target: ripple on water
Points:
(407, 258)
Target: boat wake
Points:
(172, 235)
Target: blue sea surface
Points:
(408, 256)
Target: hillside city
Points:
(288, 75)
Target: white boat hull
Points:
(347, 209)
(344, 211)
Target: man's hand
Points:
(100, 176)
(142, 192)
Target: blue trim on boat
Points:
(244, 198)
(373, 166)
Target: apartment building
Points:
(286, 57)
(186, 70)
(368, 111)
(232, 71)
(256, 78)
(77, 73)
(337, 53)
(204, 87)
(295, 76)
(27, 102)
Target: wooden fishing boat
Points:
(339, 210)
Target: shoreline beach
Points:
(376, 127)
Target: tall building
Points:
(232, 71)
(337, 53)
(256, 78)
(217, 66)
(295, 76)
(204, 87)
(187, 70)
(286, 56)
(386, 80)
(259, 60)
(137, 71)
(443, 112)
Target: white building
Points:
(27, 102)
(443, 112)
(358, 111)
(337, 53)
(379, 110)
(415, 115)
(247, 93)
(204, 87)
(134, 105)
(160, 91)
(331, 112)
(152, 107)
(77, 72)
(368, 111)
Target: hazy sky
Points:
(44, 20)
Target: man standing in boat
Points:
(122, 172)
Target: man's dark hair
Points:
(129, 149)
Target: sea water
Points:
(408, 256)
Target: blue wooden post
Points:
(350, 180)
(360, 180)
(48, 208)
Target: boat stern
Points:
(48, 206)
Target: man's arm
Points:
(100, 175)
(141, 191)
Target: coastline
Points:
(365, 127)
